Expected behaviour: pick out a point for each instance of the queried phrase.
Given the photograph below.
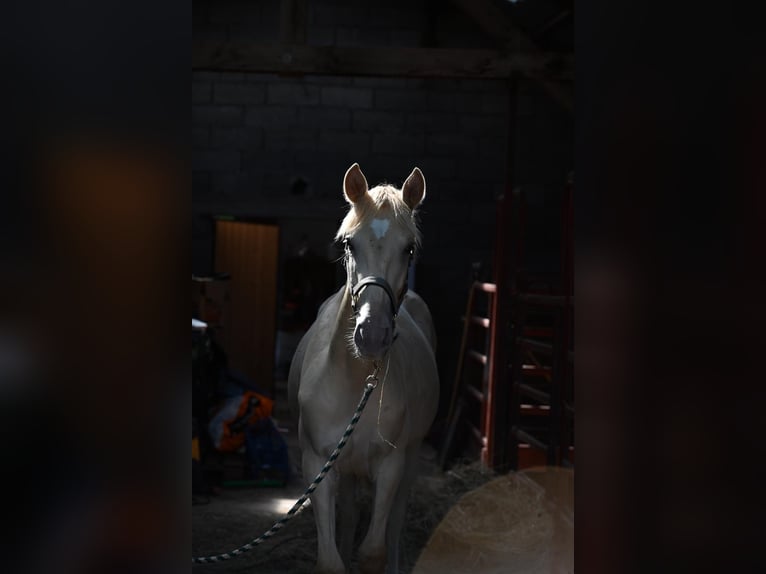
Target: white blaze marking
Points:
(379, 227)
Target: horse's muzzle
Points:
(372, 338)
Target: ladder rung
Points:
(529, 439)
(475, 393)
(536, 346)
(476, 433)
(535, 409)
(536, 394)
(480, 321)
(477, 356)
(535, 371)
(486, 287)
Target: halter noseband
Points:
(357, 289)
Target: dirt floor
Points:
(237, 515)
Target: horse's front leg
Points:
(372, 552)
(323, 503)
(399, 510)
(348, 515)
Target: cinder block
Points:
(320, 35)
(205, 76)
(292, 139)
(201, 92)
(347, 97)
(304, 139)
(329, 80)
(345, 142)
(248, 137)
(230, 183)
(452, 144)
(445, 101)
(407, 99)
(437, 169)
(277, 140)
(201, 137)
(324, 118)
(200, 183)
(267, 159)
(293, 94)
(431, 122)
(271, 116)
(495, 124)
(449, 190)
(382, 122)
(376, 82)
(228, 93)
(215, 160)
(400, 144)
(216, 115)
(495, 102)
(483, 171)
(494, 147)
(483, 213)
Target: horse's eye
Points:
(409, 250)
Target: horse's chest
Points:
(380, 429)
(365, 451)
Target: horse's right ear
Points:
(354, 184)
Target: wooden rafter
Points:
(292, 21)
(493, 20)
(242, 56)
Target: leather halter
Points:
(357, 289)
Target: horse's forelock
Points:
(381, 199)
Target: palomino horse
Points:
(373, 318)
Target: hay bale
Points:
(507, 525)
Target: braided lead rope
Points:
(371, 383)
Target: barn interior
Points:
(286, 95)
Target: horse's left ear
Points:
(354, 184)
(414, 189)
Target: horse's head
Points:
(380, 236)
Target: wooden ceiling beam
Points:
(292, 21)
(242, 56)
(493, 20)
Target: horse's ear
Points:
(414, 189)
(354, 184)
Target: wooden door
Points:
(248, 251)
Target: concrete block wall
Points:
(255, 135)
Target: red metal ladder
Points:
(466, 393)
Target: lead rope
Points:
(380, 404)
(371, 383)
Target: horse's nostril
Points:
(372, 339)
